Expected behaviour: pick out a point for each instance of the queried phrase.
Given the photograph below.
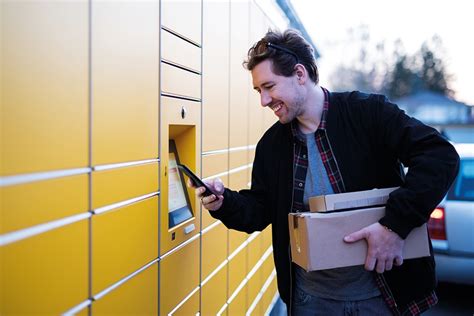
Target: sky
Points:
(412, 21)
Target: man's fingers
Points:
(356, 236)
(398, 261)
(370, 263)
(388, 265)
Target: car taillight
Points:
(436, 224)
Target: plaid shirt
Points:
(300, 167)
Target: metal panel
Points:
(45, 274)
(123, 240)
(125, 72)
(34, 203)
(137, 296)
(116, 185)
(44, 108)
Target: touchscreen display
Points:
(179, 209)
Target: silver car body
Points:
(455, 255)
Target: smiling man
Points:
(324, 143)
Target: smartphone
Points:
(197, 182)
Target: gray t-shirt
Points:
(343, 284)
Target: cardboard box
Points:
(359, 199)
(317, 238)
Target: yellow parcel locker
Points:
(179, 275)
(44, 105)
(239, 304)
(215, 82)
(123, 241)
(240, 81)
(183, 18)
(45, 274)
(188, 307)
(237, 270)
(125, 74)
(214, 249)
(111, 186)
(178, 51)
(34, 203)
(137, 296)
(180, 82)
(214, 164)
(214, 293)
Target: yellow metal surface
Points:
(123, 240)
(183, 17)
(214, 293)
(46, 274)
(111, 186)
(215, 83)
(125, 80)
(237, 270)
(190, 307)
(180, 82)
(267, 267)
(267, 238)
(35, 203)
(214, 164)
(269, 294)
(137, 296)
(253, 287)
(179, 276)
(239, 159)
(179, 51)
(240, 83)
(239, 180)
(214, 249)
(44, 105)
(240, 303)
(254, 250)
(236, 238)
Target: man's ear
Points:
(300, 72)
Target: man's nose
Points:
(265, 99)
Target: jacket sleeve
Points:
(246, 210)
(432, 166)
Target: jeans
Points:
(305, 304)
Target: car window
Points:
(463, 187)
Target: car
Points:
(451, 224)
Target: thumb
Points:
(356, 236)
(218, 186)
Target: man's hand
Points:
(212, 202)
(384, 247)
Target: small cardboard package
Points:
(317, 238)
(359, 199)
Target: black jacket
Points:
(370, 138)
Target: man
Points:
(330, 143)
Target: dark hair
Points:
(285, 50)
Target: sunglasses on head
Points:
(262, 47)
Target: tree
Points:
(401, 80)
(433, 71)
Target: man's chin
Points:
(284, 120)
